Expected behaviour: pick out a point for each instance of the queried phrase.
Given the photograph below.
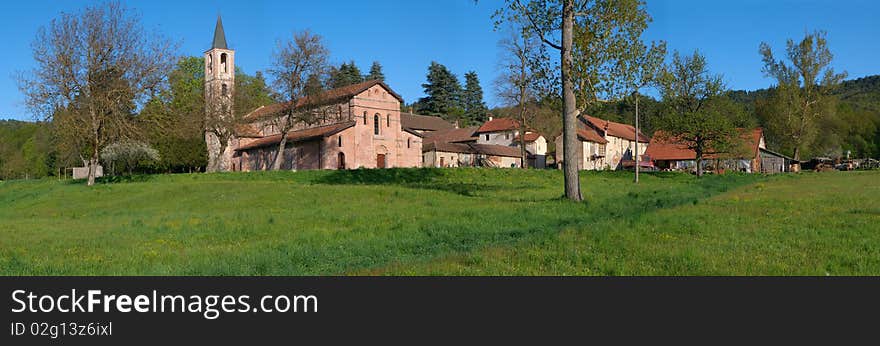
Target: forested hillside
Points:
(24, 150)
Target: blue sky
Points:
(405, 36)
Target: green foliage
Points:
(802, 101)
(344, 75)
(475, 109)
(696, 113)
(444, 94)
(25, 150)
(376, 72)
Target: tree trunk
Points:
(636, 154)
(522, 133)
(699, 164)
(93, 166)
(569, 110)
(280, 155)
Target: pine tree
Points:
(444, 94)
(346, 74)
(376, 72)
(472, 99)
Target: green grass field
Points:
(443, 222)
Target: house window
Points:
(487, 136)
(388, 120)
(376, 124)
(339, 141)
(340, 160)
(339, 112)
(507, 135)
(408, 144)
(365, 117)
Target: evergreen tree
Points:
(346, 74)
(376, 72)
(472, 99)
(314, 85)
(444, 94)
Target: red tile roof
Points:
(327, 97)
(424, 122)
(590, 135)
(499, 124)
(615, 129)
(247, 131)
(664, 147)
(452, 135)
(296, 136)
(471, 148)
(530, 137)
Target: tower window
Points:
(376, 124)
(224, 90)
(223, 63)
(210, 63)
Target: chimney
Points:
(456, 123)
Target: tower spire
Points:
(219, 35)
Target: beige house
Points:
(462, 148)
(506, 131)
(605, 144)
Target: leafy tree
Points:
(472, 100)
(345, 75)
(803, 96)
(128, 154)
(110, 64)
(444, 94)
(376, 72)
(695, 113)
(597, 42)
(314, 86)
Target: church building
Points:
(358, 126)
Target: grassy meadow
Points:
(442, 222)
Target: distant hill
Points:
(856, 127)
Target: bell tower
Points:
(219, 87)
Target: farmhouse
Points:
(494, 144)
(752, 156)
(604, 144)
(356, 126)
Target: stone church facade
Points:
(357, 126)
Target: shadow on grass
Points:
(115, 179)
(417, 178)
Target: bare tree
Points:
(515, 85)
(295, 61)
(96, 66)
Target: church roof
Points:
(324, 98)
(298, 136)
(219, 36)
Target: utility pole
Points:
(637, 135)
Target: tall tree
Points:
(594, 39)
(444, 93)
(515, 85)
(472, 100)
(345, 75)
(294, 61)
(97, 65)
(695, 109)
(803, 95)
(376, 72)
